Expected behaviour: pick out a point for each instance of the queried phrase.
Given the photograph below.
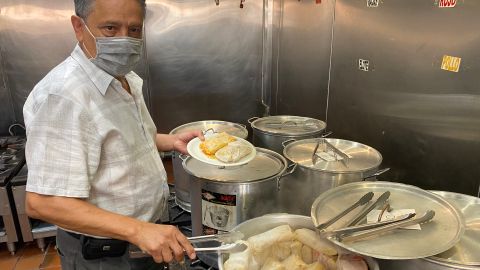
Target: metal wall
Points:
(424, 120)
(302, 57)
(204, 60)
(35, 36)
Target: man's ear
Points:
(77, 24)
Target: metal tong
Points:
(228, 238)
(380, 201)
(426, 217)
(337, 152)
(365, 199)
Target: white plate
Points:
(193, 148)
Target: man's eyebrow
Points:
(110, 23)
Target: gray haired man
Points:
(92, 149)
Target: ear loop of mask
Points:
(83, 43)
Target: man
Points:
(92, 149)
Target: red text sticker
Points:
(447, 3)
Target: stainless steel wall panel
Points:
(7, 115)
(424, 120)
(303, 48)
(35, 36)
(205, 61)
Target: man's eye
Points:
(109, 28)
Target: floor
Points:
(30, 257)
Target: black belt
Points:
(76, 235)
(96, 248)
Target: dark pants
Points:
(70, 251)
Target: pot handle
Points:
(326, 134)
(284, 143)
(244, 126)
(377, 173)
(209, 130)
(250, 120)
(183, 157)
(290, 169)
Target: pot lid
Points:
(217, 126)
(333, 155)
(289, 125)
(266, 164)
(440, 234)
(465, 252)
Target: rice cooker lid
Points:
(333, 155)
(266, 164)
(234, 129)
(289, 125)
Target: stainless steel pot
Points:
(465, 255)
(267, 222)
(182, 179)
(269, 132)
(224, 197)
(322, 164)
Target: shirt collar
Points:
(99, 77)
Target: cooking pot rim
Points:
(254, 126)
(279, 174)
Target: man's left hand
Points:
(181, 140)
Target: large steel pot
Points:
(269, 132)
(182, 180)
(465, 255)
(267, 222)
(224, 197)
(335, 162)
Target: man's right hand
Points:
(163, 242)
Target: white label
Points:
(447, 3)
(372, 217)
(373, 3)
(363, 64)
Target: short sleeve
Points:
(63, 148)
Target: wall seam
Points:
(330, 63)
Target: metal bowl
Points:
(270, 221)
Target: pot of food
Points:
(182, 181)
(223, 197)
(322, 164)
(269, 132)
(326, 261)
(465, 255)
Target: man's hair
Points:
(84, 7)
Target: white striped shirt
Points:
(88, 138)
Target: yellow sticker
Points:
(451, 63)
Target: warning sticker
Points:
(451, 63)
(218, 212)
(447, 3)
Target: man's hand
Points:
(181, 140)
(163, 242)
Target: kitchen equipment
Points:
(267, 222)
(380, 201)
(426, 217)
(269, 132)
(363, 200)
(437, 236)
(225, 248)
(224, 197)
(312, 176)
(465, 255)
(347, 230)
(182, 181)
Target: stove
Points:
(12, 157)
(183, 220)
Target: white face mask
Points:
(116, 55)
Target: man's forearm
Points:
(80, 216)
(165, 142)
